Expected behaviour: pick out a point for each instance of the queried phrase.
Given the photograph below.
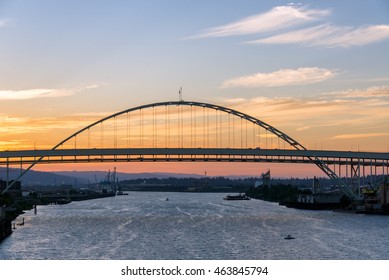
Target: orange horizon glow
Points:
(212, 169)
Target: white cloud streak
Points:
(277, 18)
(330, 36)
(359, 37)
(371, 92)
(293, 16)
(40, 93)
(312, 35)
(282, 77)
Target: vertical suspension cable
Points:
(102, 134)
(191, 127)
(154, 131)
(219, 144)
(75, 147)
(216, 129)
(140, 129)
(207, 128)
(246, 134)
(128, 129)
(241, 133)
(88, 138)
(179, 125)
(204, 127)
(195, 126)
(254, 136)
(221, 129)
(233, 132)
(168, 138)
(229, 130)
(166, 126)
(182, 126)
(114, 132)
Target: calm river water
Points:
(144, 225)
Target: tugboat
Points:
(237, 197)
(289, 237)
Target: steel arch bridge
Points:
(194, 131)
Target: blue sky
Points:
(328, 58)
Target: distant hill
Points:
(97, 176)
(79, 178)
(33, 178)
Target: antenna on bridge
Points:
(180, 94)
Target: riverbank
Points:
(16, 207)
(64, 199)
(5, 225)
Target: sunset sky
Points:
(316, 70)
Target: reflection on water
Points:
(144, 225)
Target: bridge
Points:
(196, 131)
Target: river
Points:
(191, 226)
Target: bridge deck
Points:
(193, 154)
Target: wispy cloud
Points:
(282, 77)
(280, 18)
(330, 36)
(360, 36)
(318, 125)
(371, 92)
(277, 18)
(41, 93)
(359, 135)
(312, 35)
(329, 116)
(380, 79)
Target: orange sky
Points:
(316, 124)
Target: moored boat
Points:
(237, 197)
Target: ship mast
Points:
(180, 94)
